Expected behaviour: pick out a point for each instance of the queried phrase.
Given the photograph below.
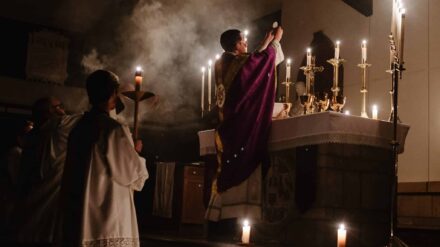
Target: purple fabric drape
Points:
(247, 119)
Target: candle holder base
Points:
(396, 242)
(323, 102)
(338, 102)
(364, 115)
(138, 95)
(308, 103)
(391, 117)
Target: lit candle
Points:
(203, 90)
(402, 33)
(342, 235)
(337, 49)
(393, 18)
(374, 112)
(364, 51)
(245, 236)
(217, 57)
(209, 84)
(347, 112)
(289, 61)
(138, 78)
(246, 33)
(309, 56)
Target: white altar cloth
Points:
(321, 128)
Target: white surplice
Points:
(98, 191)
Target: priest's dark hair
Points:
(229, 39)
(101, 85)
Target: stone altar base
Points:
(310, 190)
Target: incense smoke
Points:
(171, 40)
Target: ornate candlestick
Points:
(394, 59)
(338, 101)
(308, 99)
(137, 96)
(364, 90)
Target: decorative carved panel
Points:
(47, 57)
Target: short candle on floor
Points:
(246, 232)
(342, 235)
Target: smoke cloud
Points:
(171, 40)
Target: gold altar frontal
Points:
(326, 168)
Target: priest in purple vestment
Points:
(245, 98)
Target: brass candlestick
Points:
(308, 100)
(364, 90)
(338, 101)
(287, 83)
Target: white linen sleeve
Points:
(279, 52)
(126, 166)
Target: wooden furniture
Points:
(193, 210)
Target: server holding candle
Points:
(245, 92)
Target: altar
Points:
(326, 169)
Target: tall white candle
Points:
(364, 51)
(202, 101)
(337, 49)
(393, 18)
(288, 63)
(374, 112)
(245, 236)
(209, 83)
(402, 33)
(342, 236)
(309, 56)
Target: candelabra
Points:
(308, 100)
(394, 57)
(364, 90)
(338, 101)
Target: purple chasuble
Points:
(247, 112)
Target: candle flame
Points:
(289, 61)
(403, 11)
(341, 227)
(309, 50)
(210, 62)
(246, 222)
(138, 68)
(338, 42)
(246, 32)
(374, 107)
(347, 112)
(364, 42)
(203, 69)
(217, 56)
